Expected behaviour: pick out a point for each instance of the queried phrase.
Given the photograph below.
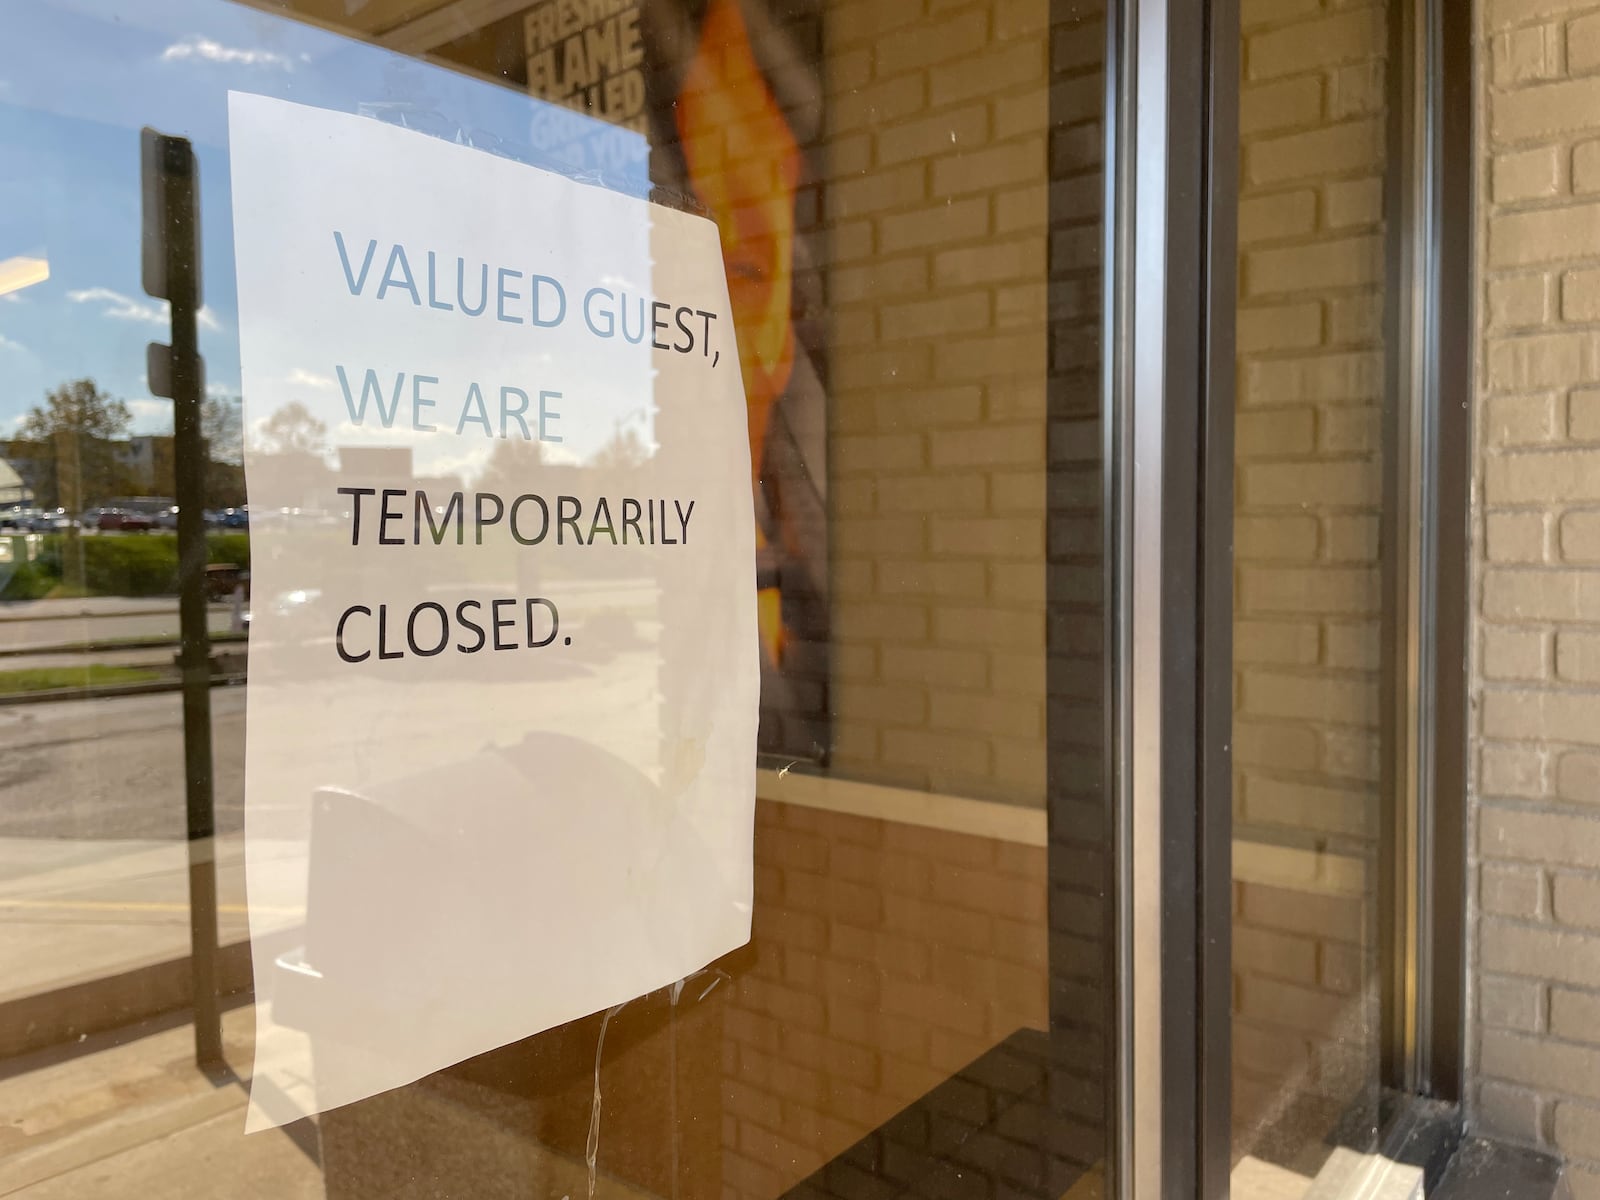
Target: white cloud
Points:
(196, 46)
(151, 415)
(299, 377)
(7, 344)
(127, 308)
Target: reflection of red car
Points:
(117, 518)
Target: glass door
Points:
(908, 202)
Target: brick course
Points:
(1535, 1024)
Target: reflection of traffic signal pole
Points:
(172, 273)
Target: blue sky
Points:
(78, 78)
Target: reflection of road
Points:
(112, 768)
(62, 622)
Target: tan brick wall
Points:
(884, 958)
(1307, 504)
(1535, 1024)
(934, 201)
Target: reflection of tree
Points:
(298, 444)
(223, 428)
(222, 424)
(511, 468)
(73, 431)
(292, 430)
(625, 449)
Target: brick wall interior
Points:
(1536, 1011)
(936, 116)
(1306, 637)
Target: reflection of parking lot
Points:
(113, 768)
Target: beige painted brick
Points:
(983, 169)
(992, 715)
(1277, 538)
(1519, 300)
(1349, 430)
(1316, 153)
(977, 75)
(1515, 537)
(1511, 1004)
(1351, 755)
(1577, 1129)
(1276, 643)
(1332, 699)
(1511, 770)
(880, 191)
(1314, 45)
(1354, 483)
(1506, 891)
(1548, 111)
(1332, 377)
(1580, 295)
(1583, 414)
(1343, 591)
(1580, 537)
(1281, 104)
(1545, 360)
(1540, 837)
(1583, 48)
(1279, 327)
(929, 42)
(1578, 656)
(884, 103)
(1575, 1015)
(927, 137)
(988, 262)
(1545, 1065)
(1357, 90)
(1540, 953)
(1531, 478)
(1509, 1112)
(1352, 647)
(1586, 167)
(1575, 901)
(1528, 175)
(936, 226)
(1254, 13)
(1526, 55)
(949, 313)
(1287, 432)
(1354, 202)
(1277, 216)
(1350, 538)
(1357, 318)
(1524, 594)
(1513, 653)
(1559, 716)
(1274, 744)
(1578, 777)
(1545, 235)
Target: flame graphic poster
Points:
(727, 94)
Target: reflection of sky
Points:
(78, 78)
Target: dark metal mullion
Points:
(1215, 633)
(1171, 379)
(1422, 899)
(1450, 355)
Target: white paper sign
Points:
(500, 766)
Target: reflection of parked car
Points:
(17, 518)
(118, 519)
(167, 518)
(55, 521)
(236, 518)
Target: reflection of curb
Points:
(110, 690)
(64, 1014)
(152, 643)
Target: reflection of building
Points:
(32, 462)
(147, 461)
(13, 490)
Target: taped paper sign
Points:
(500, 752)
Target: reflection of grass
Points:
(44, 679)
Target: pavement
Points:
(44, 623)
